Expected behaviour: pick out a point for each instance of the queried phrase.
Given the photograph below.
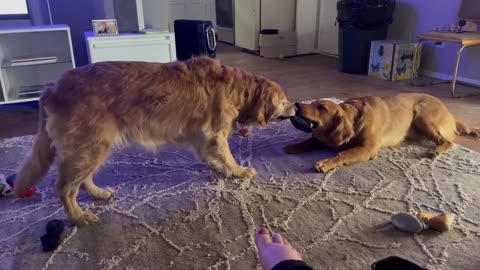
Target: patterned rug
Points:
(171, 212)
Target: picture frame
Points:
(105, 27)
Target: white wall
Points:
(155, 13)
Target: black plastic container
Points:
(395, 263)
(360, 23)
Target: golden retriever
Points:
(92, 109)
(361, 126)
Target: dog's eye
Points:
(321, 107)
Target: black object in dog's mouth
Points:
(281, 118)
(303, 123)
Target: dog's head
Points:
(326, 119)
(269, 103)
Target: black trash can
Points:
(360, 23)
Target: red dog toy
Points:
(11, 181)
(244, 132)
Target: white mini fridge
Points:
(251, 16)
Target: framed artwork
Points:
(105, 27)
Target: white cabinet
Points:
(131, 47)
(191, 10)
(253, 15)
(32, 57)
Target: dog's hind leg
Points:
(429, 130)
(76, 169)
(466, 130)
(72, 174)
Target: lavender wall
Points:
(413, 17)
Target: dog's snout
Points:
(297, 106)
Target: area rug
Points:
(171, 212)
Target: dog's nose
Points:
(297, 106)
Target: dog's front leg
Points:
(216, 152)
(301, 147)
(350, 156)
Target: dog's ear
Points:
(342, 130)
(264, 109)
(262, 106)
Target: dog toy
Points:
(302, 123)
(441, 223)
(51, 240)
(420, 221)
(244, 132)
(5, 188)
(28, 193)
(408, 223)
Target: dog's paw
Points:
(84, 219)
(432, 154)
(245, 173)
(106, 193)
(475, 133)
(322, 167)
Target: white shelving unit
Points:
(45, 52)
(158, 47)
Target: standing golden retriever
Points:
(361, 126)
(92, 109)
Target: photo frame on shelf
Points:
(105, 27)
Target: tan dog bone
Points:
(441, 223)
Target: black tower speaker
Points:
(194, 38)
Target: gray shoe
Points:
(408, 223)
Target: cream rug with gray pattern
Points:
(171, 212)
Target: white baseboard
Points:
(444, 76)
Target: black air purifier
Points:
(194, 38)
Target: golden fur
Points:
(361, 126)
(92, 109)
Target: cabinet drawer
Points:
(147, 50)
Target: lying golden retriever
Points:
(92, 109)
(361, 126)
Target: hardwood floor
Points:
(303, 78)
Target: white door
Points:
(306, 26)
(328, 29)
(247, 24)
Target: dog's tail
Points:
(465, 130)
(36, 165)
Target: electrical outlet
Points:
(440, 44)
